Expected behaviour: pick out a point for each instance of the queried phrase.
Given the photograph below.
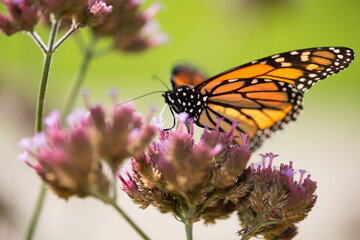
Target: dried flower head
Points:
(65, 158)
(70, 160)
(190, 179)
(122, 137)
(131, 29)
(276, 201)
(23, 16)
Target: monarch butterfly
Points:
(262, 96)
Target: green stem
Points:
(255, 230)
(188, 228)
(45, 76)
(107, 200)
(88, 56)
(39, 119)
(128, 219)
(35, 217)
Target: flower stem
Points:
(88, 56)
(45, 75)
(39, 118)
(37, 212)
(107, 200)
(128, 219)
(188, 228)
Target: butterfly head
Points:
(185, 99)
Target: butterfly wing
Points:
(264, 95)
(186, 75)
(301, 68)
(260, 106)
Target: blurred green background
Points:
(214, 35)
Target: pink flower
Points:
(132, 30)
(70, 159)
(276, 200)
(178, 170)
(23, 16)
(94, 14)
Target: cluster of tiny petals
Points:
(178, 166)
(23, 15)
(70, 159)
(65, 159)
(94, 14)
(275, 197)
(133, 30)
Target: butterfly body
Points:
(186, 99)
(262, 96)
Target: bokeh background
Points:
(214, 35)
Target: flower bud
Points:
(93, 14)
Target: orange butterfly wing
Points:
(186, 75)
(264, 95)
(260, 106)
(301, 68)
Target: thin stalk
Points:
(106, 200)
(205, 204)
(37, 39)
(255, 230)
(35, 217)
(188, 228)
(88, 56)
(128, 219)
(72, 30)
(44, 77)
(114, 187)
(39, 118)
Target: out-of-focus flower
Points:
(61, 8)
(94, 14)
(70, 160)
(122, 137)
(65, 158)
(276, 201)
(131, 29)
(23, 16)
(192, 180)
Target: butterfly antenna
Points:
(172, 113)
(139, 97)
(156, 77)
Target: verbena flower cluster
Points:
(180, 176)
(209, 180)
(131, 29)
(23, 15)
(205, 180)
(71, 159)
(276, 200)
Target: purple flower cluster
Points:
(70, 160)
(25, 14)
(131, 28)
(276, 201)
(190, 179)
(209, 180)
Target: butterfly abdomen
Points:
(185, 99)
